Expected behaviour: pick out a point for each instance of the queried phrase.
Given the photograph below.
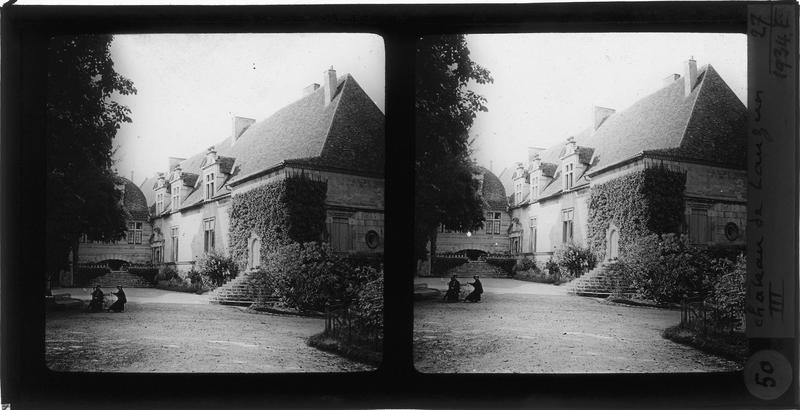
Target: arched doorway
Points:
(612, 243)
(254, 252)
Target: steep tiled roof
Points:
(708, 125)
(134, 202)
(147, 189)
(346, 135)
(493, 193)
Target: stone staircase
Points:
(480, 268)
(599, 282)
(234, 292)
(120, 278)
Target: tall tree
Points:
(446, 193)
(82, 120)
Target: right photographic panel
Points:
(580, 203)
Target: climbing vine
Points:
(639, 204)
(289, 210)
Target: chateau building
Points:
(694, 124)
(334, 133)
(493, 237)
(134, 247)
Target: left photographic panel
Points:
(215, 203)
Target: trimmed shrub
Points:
(215, 269)
(178, 284)
(506, 264)
(441, 265)
(640, 203)
(575, 259)
(289, 210)
(535, 275)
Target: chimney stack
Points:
(211, 155)
(132, 176)
(310, 89)
(689, 77)
(240, 125)
(329, 84)
(600, 115)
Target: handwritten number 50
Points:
(766, 367)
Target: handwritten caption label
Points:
(771, 282)
(767, 374)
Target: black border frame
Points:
(26, 383)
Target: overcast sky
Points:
(190, 85)
(545, 85)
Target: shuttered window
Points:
(341, 239)
(699, 226)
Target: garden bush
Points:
(729, 292)
(536, 275)
(166, 272)
(666, 269)
(307, 276)
(215, 269)
(369, 305)
(506, 264)
(441, 265)
(178, 284)
(575, 259)
(552, 268)
(523, 264)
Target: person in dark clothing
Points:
(475, 295)
(453, 290)
(96, 305)
(119, 305)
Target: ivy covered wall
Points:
(288, 210)
(638, 203)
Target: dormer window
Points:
(534, 187)
(176, 197)
(159, 202)
(569, 175)
(518, 192)
(209, 183)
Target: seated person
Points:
(475, 296)
(119, 304)
(96, 305)
(453, 290)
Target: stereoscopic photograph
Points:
(580, 203)
(215, 203)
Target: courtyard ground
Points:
(162, 331)
(524, 327)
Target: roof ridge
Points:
(335, 108)
(694, 103)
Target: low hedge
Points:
(148, 272)
(85, 274)
(505, 264)
(440, 266)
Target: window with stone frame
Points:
(159, 202)
(209, 184)
(174, 238)
(532, 245)
(534, 187)
(569, 175)
(567, 232)
(208, 234)
(492, 223)
(518, 192)
(176, 197)
(134, 233)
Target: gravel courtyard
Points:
(161, 333)
(523, 327)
